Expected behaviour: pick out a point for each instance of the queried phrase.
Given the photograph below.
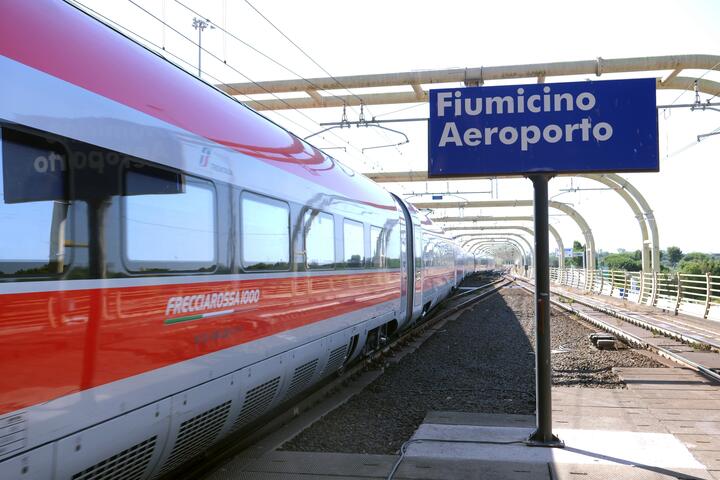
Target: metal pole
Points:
(199, 24)
(543, 436)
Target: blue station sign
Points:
(576, 127)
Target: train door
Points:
(405, 287)
(407, 262)
(418, 269)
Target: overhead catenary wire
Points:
(709, 134)
(667, 111)
(302, 51)
(420, 104)
(267, 57)
(164, 16)
(694, 81)
(224, 29)
(353, 94)
(214, 56)
(165, 52)
(193, 42)
(256, 50)
(121, 28)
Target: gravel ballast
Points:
(481, 362)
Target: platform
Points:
(665, 425)
(702, 329)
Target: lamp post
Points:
(199, 24)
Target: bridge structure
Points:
(477, 222)
(412, 87)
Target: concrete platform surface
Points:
(660, 451)
(665, 425)
(344, 466)
(347, 466)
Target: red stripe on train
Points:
(60, 342)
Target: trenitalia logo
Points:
(215, 161)
(205, 157)
(205, 305)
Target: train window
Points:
(172, 231)
(418, 246)
(33, 205)
(265, 233)
(393, 247)
(377, 247)
(319, 240)
(427, 254)
(353, 243)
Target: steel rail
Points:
(629, 337)
(689, 339)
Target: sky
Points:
(349, 38)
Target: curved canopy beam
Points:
(635, 200)
(525, 241)
(484, 245)
(646, 212)
(636, 212)
(574, 214)
(490, 251)
(527, 254)
(494, 235)
(487, 249)
(584, 228)
(492, 247)
(479, 242)
(469, 76)
(553, 231)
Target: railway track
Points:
(293, 418)
(685, 349)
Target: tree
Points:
(578, 248)
(623, 261)
(674, 255)
(694, 268)
(699, 263)
(696, 257)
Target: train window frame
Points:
(393, 233)
(270, 200)
(381, 242)
(140, 267)
(362, 263)
(317, 213)
(68, 228)
(429, 251)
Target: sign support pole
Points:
(619, 125)
(543, 436)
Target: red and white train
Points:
(172, 264)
